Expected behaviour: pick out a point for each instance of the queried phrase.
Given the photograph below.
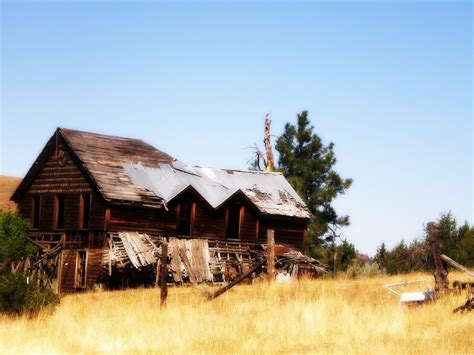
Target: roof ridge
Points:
(64, 129)
(242, 170)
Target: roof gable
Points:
(100, 157)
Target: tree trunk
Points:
(440, 273)
(268, 146)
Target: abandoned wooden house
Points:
(91, 196)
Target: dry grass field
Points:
(312, 316)
(8, 184)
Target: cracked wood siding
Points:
(55, 179)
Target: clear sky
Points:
(389, 82)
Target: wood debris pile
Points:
(125, 248)
(42, 266)
(198, 260)
(297, 264)
(468, 306)
(189, 259)
(229, 259)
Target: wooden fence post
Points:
(164, 273)
(440, 273)
(270, 254)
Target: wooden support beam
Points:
(440, 273)
(456, 265)
(164, 273)
(270, 254)
(235, 281)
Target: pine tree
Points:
(381, 256)
(308, 165)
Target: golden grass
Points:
(312, 316)
(8, 185)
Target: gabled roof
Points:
(100, 158)
(129, 170)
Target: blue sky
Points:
(389, 82)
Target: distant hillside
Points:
(8, 184)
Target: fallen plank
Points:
(236, 281)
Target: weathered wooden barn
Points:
(84, 189)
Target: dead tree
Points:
(440, 273)
(259, 157)
(270, 166)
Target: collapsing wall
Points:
(194, 260)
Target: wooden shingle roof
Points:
(103, 157)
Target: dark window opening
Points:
(85, 208)
(59, 211)
(233, 221)
(81, 269)
(36, 211)
(184, 219)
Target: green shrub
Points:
(17, 296)
(361, 269)
(14, 243)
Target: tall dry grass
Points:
(320, 316)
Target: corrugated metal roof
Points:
(269, 192)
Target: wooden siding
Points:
(136, 218)
(209, 225)
(94, 267)
(287, 233)
(248, 226)
(68, 269)
(55, 179)
(97, 214)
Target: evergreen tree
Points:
(448, 234)
(347, 253)
(308, 165)
(381, 256)
(466, 245)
